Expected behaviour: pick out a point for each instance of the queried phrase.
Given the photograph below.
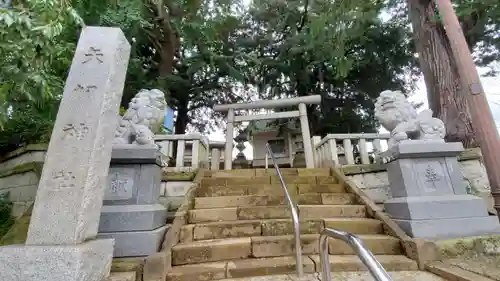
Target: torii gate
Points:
(262, 104)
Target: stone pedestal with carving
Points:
(429, 196)
(131, 213)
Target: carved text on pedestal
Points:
(119, 187)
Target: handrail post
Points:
(295, 216)
(326, 274)
(374, 267)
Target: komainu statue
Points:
(142, 119)
(399, 117)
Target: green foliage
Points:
(123, 110)
(29, 123)
(36, 46)
(340, 50)
(185, 48)
(480, 20)
(6, 219)
(203, 53)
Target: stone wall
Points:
(373, 177)
(174, 187)
(20, 171)
(19, 175)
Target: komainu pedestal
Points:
(131, 213)
(429, 195)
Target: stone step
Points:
(355, 225)
(280, 265)
(275, 227)
(122, 276)
(349, 276)
(259, 180)
(331, 211)
(268, 172)
(273, 246)
(267, 189)
(269, 200)
(344, 263)
(275, 212)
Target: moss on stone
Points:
(178, 176)
(128, 265)
(455, 247)
(22, 150)
(363, 168)
(6, 219)
(464, 246)
(470, 154)
(23, 168)
(19, 231)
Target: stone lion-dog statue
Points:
(397, 115)
(143, 118)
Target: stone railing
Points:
(197, 155)
(347, 149)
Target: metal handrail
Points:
(295, 216)
(377, 271)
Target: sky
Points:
(491, 87)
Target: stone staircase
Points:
(240, 226)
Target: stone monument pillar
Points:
(131, 213)
(61, 242)
(429, 195)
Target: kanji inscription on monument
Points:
(93, 53)
(76, 131)
(72, 185)
(120, 185)
(85, 88)
(63, 180)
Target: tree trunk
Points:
(182, 119)
(180, 125)
(438, 66)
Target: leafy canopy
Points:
(36, 46)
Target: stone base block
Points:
(423, 148)
(450, 228)
(436, 207)
(135, 154)
(117, 218)
(90, 261)
(137, 243)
